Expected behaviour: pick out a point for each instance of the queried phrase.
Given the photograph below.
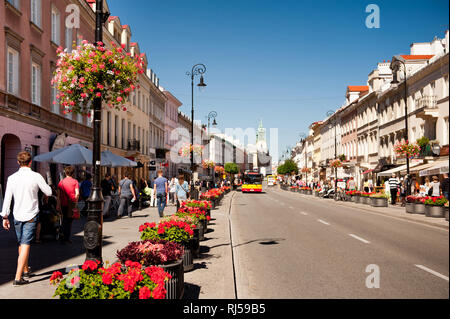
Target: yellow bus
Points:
(252, 182)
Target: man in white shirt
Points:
(24, 186)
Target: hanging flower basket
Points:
(185, 150)
(336, 163)
(93, 71)
(306, 170)
(219, 169)
(405, 149)
(207, 164)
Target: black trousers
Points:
(393, 195)
(66, 223)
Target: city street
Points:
(288, 245)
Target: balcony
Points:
(134, 145)
(427, 107)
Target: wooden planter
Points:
(378, 202)
(208, 213)
(198, 231)
(175, 285)
(434, 211)
(204, 228)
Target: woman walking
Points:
(127, 193)
(181, 190)
(67, 202)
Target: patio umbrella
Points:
(110, 159)
(74, 154)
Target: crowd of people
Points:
(395, 187)
(33, 205)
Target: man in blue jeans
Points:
(23, 186)
(160, 188)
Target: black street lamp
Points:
(395, 66)
(329, 114)
(303, 137)
(212, 115)
(198, 69)
(93, 229)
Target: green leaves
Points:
(288, 167)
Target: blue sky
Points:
(287, 62)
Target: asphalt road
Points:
(290, 246)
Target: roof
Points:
(357, 88)
(417, 57)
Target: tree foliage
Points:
(231, 168)
(288, 167)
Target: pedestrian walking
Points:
(85, 191)
(107, 189)
(403, 188)
(435, 187)
(67, 202)
(393, 188)
(181, 190)
(127, 195)
(445, 186)
(172, 188)
(23, 186)
(161, 189)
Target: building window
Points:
(12, 77)
(15, 3)
(36, 12)
(35, 84)
(108, 128)
(56, 23)
(69, 39)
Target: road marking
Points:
(303, 213)
(432, 272)
(323, 222)
(359, 238)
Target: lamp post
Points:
(395, 66)
(93, 229)
(197, 69)
(303, 137)
(212, 115)
(331, 113)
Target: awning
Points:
(439, 167)
(368, 171)
(396, 169)
(418, 168)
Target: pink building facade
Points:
(31, 31)
(171, 123)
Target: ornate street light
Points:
(330, 114)
(211, 115)
(303, 138)
(93, 229)
(197, 69)
(395, 66)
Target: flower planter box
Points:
(446, 213)
(419, 208)
(410, 208)
(198, 232)
(357, 199)
(204, 228)
(175, 285)
(434, 211)
(316, 194)
(208, 213)
(365, 200)
(188, 258)
(309, 192)
(378, 202)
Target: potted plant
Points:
(411, 204)
(365, 198)
(434, 206)
(379, 199)
(172, 230)
(165, 254)
(316, 192)
(118, 281)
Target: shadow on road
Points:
(263, 241)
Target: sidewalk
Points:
(393, 211)
(212, 276)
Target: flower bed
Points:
(165, 254)
(129, 281)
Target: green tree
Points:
(288, 167)
(231, 168)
